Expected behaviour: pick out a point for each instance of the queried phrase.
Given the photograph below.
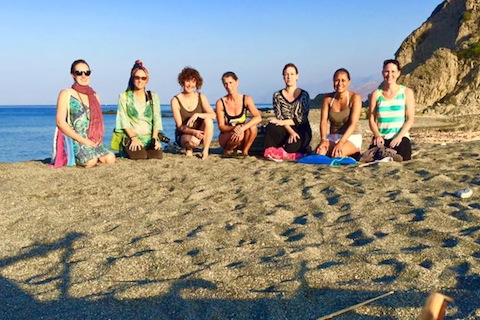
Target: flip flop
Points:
(238, 154)
(226, 154)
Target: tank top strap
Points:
(348, 100)
(179, 102)
(199, 107)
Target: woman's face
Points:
(230, 84)
(190, 85)
(80, 74)
(341, 82)
(390, 73)
(290, 76)
(140, 79)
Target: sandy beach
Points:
(182, 238)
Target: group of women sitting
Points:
(288, 135)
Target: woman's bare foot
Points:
(204, 155)
(189, 152)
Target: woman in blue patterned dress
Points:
(79, 116)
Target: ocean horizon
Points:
(27, 130)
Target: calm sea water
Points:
(26, 132)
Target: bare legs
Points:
(106, 159)
(190, 142)
(245, 142)
(347, 149)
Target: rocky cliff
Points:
(441, 59)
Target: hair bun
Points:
(138, 64)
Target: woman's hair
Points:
(288, 65)
(189, 73)
(138, 65)
(340, 71)
(230, 74)
(394, 61)
(74, 64)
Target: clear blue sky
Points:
(255, 39)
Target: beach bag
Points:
(324, 160)
(117, 140)
(63, 153)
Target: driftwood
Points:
(361, 304)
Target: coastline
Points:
(243, 239)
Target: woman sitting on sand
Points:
(192, 113)
(341, 109)
(392, 110)
(289, 134)
(79, 116)
(139, 117)
(236, 133)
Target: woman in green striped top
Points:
(392, 110)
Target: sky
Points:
(255, 39)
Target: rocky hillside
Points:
(441, 59)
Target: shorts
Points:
(355, 139)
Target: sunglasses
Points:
(79, 73)
(140, 78)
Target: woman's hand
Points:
(378, 141)
(293, 137)
(91, 144)
(134, 144)
(157, 145)
(338, 150)
(198, 134)
(277, 122)
(192, 120)
(237, 134)
(395, 142)
(323, 147)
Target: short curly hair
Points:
(189, 73)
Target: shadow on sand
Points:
(307, 303)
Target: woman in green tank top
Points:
(392, 110)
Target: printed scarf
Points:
(95, 128)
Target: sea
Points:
(26, 132)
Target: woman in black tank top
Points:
(193, 114)
(236, 133)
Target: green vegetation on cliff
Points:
(473, 52)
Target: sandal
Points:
(238, 154)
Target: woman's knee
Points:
(108, 158)
(190, 142)
(253, 131)
(90, 164)
(208, 125)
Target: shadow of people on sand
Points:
(307, 302)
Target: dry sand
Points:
(182, 238)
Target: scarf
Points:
(95, 128)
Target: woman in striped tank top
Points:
(392, 110)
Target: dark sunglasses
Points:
(79, 73)
(140, 78)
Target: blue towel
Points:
(321, 159)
